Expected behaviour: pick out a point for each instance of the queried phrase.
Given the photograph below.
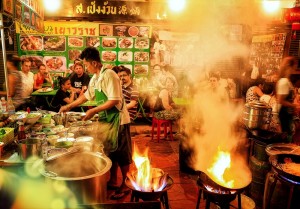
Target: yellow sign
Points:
(63, 28)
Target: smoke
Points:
(211, 126)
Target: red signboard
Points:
(292, 14)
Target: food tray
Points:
(8, 136)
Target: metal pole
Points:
(4, 53)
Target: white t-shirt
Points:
(109, 83)
(283, 87)
(27, 84)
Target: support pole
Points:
(4, 52)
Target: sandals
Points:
(119, 194)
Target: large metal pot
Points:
(84, 172)
(257, 115)
(29, 147)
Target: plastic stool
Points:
(161, 123)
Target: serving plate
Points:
(43, 90)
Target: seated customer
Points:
(164, 107)
(129, 90)
(255, 92)
(62, 96)
(42, 77)
(79, 79)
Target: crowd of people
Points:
(282, 96)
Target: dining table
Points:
(50, 93)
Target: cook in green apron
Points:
(112, 119)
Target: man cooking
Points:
(105, 88)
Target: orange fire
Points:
(222, 162)
(146, 178)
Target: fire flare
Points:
(222, 162)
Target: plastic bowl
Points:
(32, 118)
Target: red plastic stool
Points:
(161, 123)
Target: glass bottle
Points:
(21, 132)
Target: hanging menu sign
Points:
(62, 42)
(267, 52)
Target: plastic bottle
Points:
(3, 104)
(10, 106)
(21, 132)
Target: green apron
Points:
(111, 118)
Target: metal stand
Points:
(163, 198)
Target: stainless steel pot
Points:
(257, 115)
(29, 147)
(84, 172)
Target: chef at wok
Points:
(105, 88)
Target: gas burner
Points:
(216, 193)
(151, 195)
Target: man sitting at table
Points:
(79, 79)
(27, 84)
(129, 90)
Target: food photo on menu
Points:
(54, 43)
(125, 43)
(141, 56)
(141, 43)
(55, 63)
(109, 42)
(109, 56)
(92, 41)
(106, 30)
(140, 69)
(74, 54)
(18, 11)
(35, 60)
(74, 41)
(125, 56)
(31, 43)
(133, 31)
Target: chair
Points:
(161, 123)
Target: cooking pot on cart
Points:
(84, 172)
(257, 115)
(286, 165)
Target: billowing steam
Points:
(211, 126)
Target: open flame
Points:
(146, 178)
(222, 162)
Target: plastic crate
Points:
(8, 136)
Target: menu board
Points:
(266, 52)
(58, 52)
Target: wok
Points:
(278, 161)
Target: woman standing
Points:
(285, 96)
(62, 96)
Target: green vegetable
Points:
(2, 132)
